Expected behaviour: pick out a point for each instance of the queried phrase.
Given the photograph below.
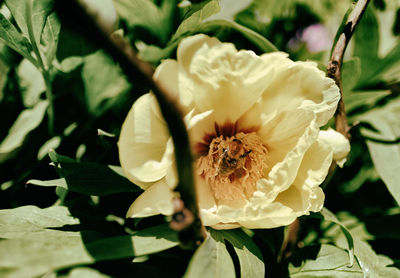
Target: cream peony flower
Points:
(254, 125)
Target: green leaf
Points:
(351, 70)
(85, 272)
(39, 253)
(190, 24)
(50, 37)
(261, 42)
(18, 222)
(40, 10)
(87, 178)
(325, 214)
(383, 143)
(103, 82)
(144, 13)
(366, 44)
(322, 261)
(211, 259)
(31, 83)
(12, 38)
(250, 257)
(28, 120)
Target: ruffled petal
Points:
(339, 144)
(143, 143)
(157, 199)
(305, 194)
(299, 85)
(287, 138)
(223, 76)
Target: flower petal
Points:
(223, 76)
(143, 143)
(339, 144)
(155, 200)
(287, 137)
(299, 85)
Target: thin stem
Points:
(186, 216)
(42, 66)
(335, 63)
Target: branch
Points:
(291, 240)
(186, 216)
(335, 63)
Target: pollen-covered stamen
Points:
(233, 165)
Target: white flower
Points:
(254, 125)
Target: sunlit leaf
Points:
(211, 259)
(27, 121)
(11, 37)
(38, 253)
(250, 257)
(322, 261)
(18, 222)
(50, 37)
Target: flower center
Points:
(233, 165)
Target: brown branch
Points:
(335, 63)
(185, 220)
(291, 240)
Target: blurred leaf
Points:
(40, 10)
(322, 261)
(144, 13)
(154, 54)
(51, 144)
(11, 37)
(190, 24)
(365, 99)
(50, 37)
(87, 178)
(211, 259)
(262, 43)
(103, 82)
(383, 143)
(28, 120)
(18, 222)
(38, 253)
(250, 257)
(31, 83)
(351, 70)
(366, 43)
(84, 272)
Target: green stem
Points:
(42, 66)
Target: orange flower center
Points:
(232, 166)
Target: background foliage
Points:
(63, 196)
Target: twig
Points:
(335, 63)
(333, 71)
(186, 216)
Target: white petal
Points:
(299, 85)
(142, 143)
(305, 194)
(339, 143)
(157, 199)
(287, 137)
(226, 80)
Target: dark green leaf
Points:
(11, 37)
(211, 259)
(383, 145)
(87, 178)
(103, 82)
(250, 257)
(325, 214)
